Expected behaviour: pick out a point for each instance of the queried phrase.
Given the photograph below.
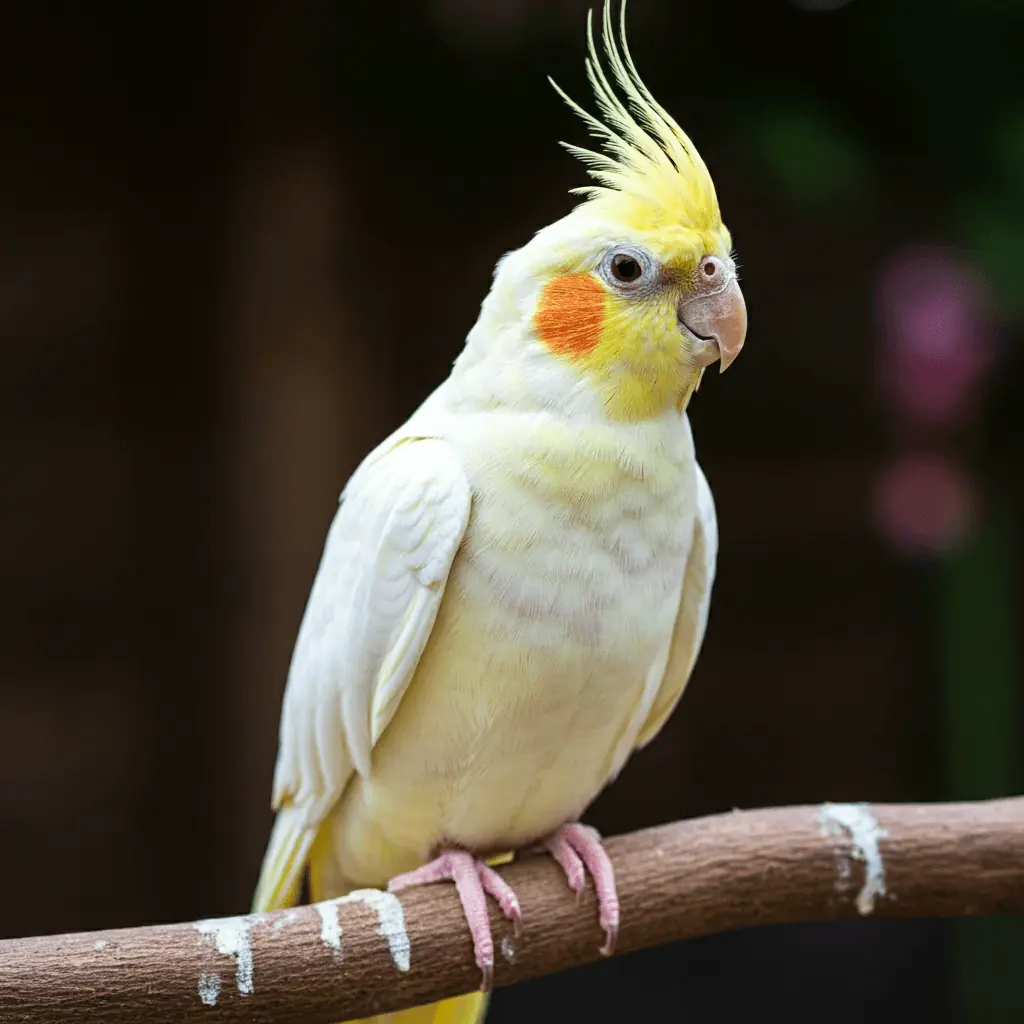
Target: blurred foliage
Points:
(976, 634)
(975, 630)
(991, 227)
(943, 79)
(811, 155)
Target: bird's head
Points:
(634, 292)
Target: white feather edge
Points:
(371, 610)
(692, 619)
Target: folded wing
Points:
(371, 609)
(692, 619)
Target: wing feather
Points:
(371, 609)
(692, 619)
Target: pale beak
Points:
(720, 321)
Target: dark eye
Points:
(629, 269)
(626, 268)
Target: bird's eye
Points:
(626, 268)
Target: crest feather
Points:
(648, 161)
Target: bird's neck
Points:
(504, 365)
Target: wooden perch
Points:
(371, 953)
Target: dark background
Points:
(239, 244)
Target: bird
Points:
(516, 584)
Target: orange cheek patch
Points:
(570, 315)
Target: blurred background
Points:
(240, 244)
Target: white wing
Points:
(692, 619)
(371, 609)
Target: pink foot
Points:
(474, 881)
(577, 847)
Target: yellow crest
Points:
(650, 173)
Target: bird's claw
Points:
(611, 939)
(487, 981)
(475, 881)
(577, 847)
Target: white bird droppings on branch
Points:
(860, 826)
(209, 988)
(390, 921)
(330, 929)
(231, 937)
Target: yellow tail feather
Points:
(284, 863)
(468, 1009)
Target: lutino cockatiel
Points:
(515, 586)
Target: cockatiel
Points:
(515, 586)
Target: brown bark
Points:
(677, 881)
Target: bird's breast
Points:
(562, 598)
(579, 537)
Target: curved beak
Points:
(719, 320)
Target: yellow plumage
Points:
(515, 587)
(650, 174)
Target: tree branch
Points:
(370, 954)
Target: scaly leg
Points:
(474, 881)
(577, 847)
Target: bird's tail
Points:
(291, 849)
(468, 1009)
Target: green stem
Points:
(978, 608)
